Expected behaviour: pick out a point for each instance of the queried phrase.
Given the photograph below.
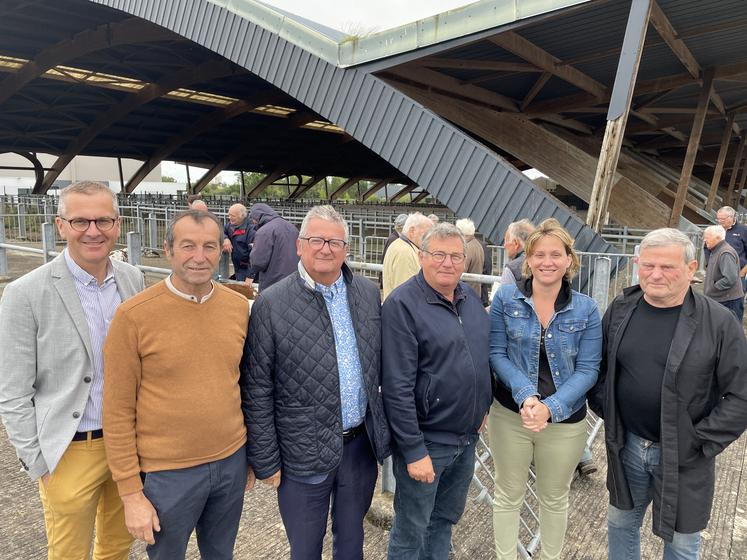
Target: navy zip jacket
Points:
(435, 369)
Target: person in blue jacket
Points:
(436, 393)
(545, 350)
(239, 236)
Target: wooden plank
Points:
(431, 78)
(518, 45)
(718, 170)
(535, 89)
(669, 35)
(692, 149)
(492, 65)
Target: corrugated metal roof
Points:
(471, 179)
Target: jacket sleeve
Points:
(728, 419)
(399, 372)
(505, 370)
(18, 332)
(123, 373)
(596, 395)
(258, 392)
(585, 372)
(262, 250)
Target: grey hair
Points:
(400, 220)
(415, 220)
(718, 231)
(326, 213)
(88, 188)
(198, 216)
(466, 226)
(243, 212)
(441, 232)
(433, 218)
(670, 237)
(728, 210)
(520, 231)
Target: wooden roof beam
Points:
(521, 47)
(339, 191)
(126, 32)
(268, 180)
(193, 130)
(402, 192)
(303, 188)
(378, 185)
(488, 65)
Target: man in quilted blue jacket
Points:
(311, 378)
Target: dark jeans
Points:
(641, 459)
(736, 306)
(424, 514)
(208, 498)
(304, 506)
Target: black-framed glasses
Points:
(82, 224)
(318, 242)
(440, 256)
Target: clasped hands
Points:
(534, 414)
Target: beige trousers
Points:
(556, 450)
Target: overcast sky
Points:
(360, 15)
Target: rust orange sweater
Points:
(171, 391)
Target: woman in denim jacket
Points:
(545, 349)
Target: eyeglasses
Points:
(82, 224)
(440, 256)
(318, 242)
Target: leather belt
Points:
(352, 433)
(83, 436)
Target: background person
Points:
(513, 242)
(722, 282)
(545, 348)
(401, 261)
(399, 224)
(274, 251)
(736, 236)
(475, 256)
(238, 238)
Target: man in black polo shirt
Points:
(673, 394)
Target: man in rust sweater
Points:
(175, 433)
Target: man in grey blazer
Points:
(53, 322)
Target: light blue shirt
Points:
(99, 303)
(352, 392)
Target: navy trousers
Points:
(207, 498)
(304, 507)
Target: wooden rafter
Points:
(718, 170)
(518, 45)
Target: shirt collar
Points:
(334, 289)
(189, 297)
(84, 277)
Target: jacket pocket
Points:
(688, 444)
(297, 436)
(423, 396)
(516, 318)
(570, 335)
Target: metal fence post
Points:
(21, 220)
(152, 231)
(47, 214)
(388, 484)
(223, 266)
(48, 241)
(636, 251)
(600, 288)
(134, 248)
(3, 253)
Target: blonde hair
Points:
(551, 228)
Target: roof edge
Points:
(353, 51)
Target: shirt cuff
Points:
(129, 485)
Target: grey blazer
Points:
(45, 352)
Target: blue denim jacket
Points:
(573, 342)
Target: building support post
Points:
(719, 169)
(617, 116)
(735, 170)
(692, 148)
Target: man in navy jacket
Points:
(436, 391)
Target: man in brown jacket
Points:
(475, 256)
